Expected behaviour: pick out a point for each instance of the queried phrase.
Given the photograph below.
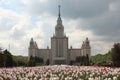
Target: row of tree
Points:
(6, 60)
(81, 60)
(33, 61)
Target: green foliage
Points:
(71, 62)
(82, 60)
(101, 58)
(38, 59)
(116, 54)
(24, 61)
(87, 62)
(47, 62)
(8, 60)
(1, 60)
(20, 60)
(31, 61)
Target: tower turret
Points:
(32, 48)
(87, 45)
(59, 29)
(31, 42)
(87, 48)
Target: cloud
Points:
(96, 15)
(16, 30)
(106, 25)
(84, 8)
(6, 20)
(70, 8)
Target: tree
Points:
(8, 60)
(38, 59)
(31, 61)
(82, 60)
(71, 62)
(21, 63)
(47, 62)
(1, 60)
(87, 60)
(116, 54)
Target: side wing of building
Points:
(44, 54)
(74, 53)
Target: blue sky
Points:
(22, 19)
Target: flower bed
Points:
(61, 72)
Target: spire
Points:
(59, 10)
(31, 40)
(87, 38)
(59, 21)
(87, 41)
(31, 43)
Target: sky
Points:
(21, 20)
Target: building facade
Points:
(59, 52)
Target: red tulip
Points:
(104, 69)
(30, 69)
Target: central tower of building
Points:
(59, 44)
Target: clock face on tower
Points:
(59, 28)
